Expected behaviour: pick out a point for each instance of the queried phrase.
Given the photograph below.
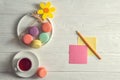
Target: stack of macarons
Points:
(36, 36)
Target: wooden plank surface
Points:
(99, 18)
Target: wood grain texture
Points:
(99, 18)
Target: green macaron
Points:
(44, 37)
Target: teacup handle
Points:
(16, 69)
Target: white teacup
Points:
(23, 64)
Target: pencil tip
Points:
(100, 58)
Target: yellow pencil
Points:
(82, 38)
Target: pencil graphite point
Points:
(77, 32)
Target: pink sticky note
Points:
(77, 54)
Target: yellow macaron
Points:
(36, 44)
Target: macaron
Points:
(46, 27)
(44, 37)
(41, 72)
(34, 31)
(36, 44)
(27, 39)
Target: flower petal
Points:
(50, 15)
(44, 16)
(42, 5)
(52, 9)
(48, 4)
(40, 11)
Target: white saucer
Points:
(26, 21)
(32, 57)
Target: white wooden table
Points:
(99, 18)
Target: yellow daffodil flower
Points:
(46, 10)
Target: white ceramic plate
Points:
(34, 59)
(26, 22)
